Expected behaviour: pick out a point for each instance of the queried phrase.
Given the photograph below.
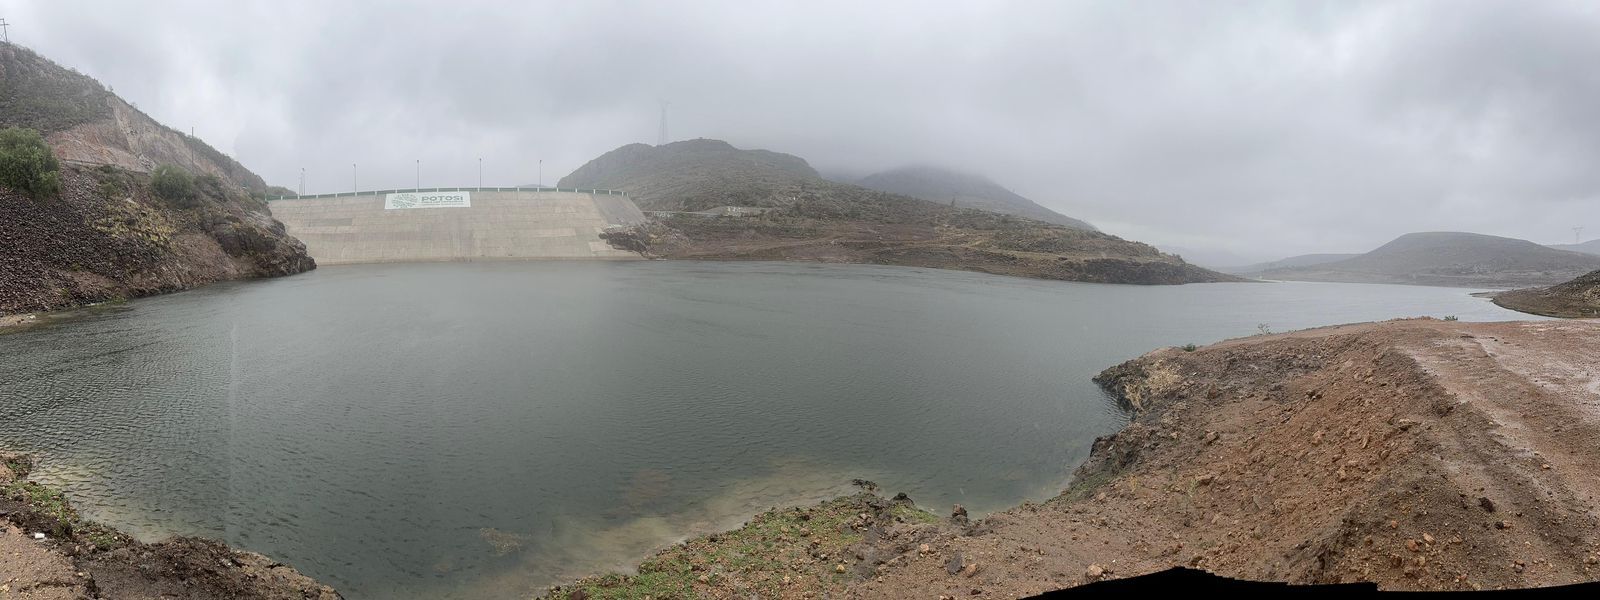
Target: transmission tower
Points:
(661, 138)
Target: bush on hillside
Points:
(174, 185)
(26, 164)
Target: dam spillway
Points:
(457, 224)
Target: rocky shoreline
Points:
(1416, 454)
(52, 553)
(107, 237)
(1046, 252)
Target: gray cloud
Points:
(1255, 129)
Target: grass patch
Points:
(800, 544)
(1083, 487)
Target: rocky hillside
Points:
(86, 123)
(1417, 454)
(107, 235)
(809, 218)
(1450, 259)
(1576, 299)
(968, 190)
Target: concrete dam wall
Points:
(457, 224)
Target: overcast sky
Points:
(1256, 130)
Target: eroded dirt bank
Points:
(1417, 454)
(48, 552)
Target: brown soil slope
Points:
(1417, 454)
(1576, 299)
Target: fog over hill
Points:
(697, 175)
(969, 190)
(1450, 258)
(1303, 260)
(1589, 247)
(1264, 129)
(802, 216)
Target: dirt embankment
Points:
(48, 552)
(107, 237)
(1417, 454)
(1576, 299)
(995, 245)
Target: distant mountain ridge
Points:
(810, 218)
(1450, 259)
(1303, 260)
(1589, 247)
(940, 185)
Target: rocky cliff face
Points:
(106, 236)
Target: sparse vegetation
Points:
(26, 164)
(1451, 318)
(1263, 328)
(38, 94)
(1190, 347)
(780, 553)
(174, 185)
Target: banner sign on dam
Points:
(427, 200)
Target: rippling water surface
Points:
(482, 429)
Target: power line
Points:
(661, 139)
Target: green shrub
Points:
(1190, 347)
(174, 185)
(26, 164)
(1451, 318)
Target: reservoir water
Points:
(486, 429)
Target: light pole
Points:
(541, 172)
(419, 173)
(302, 181)
(480, 171)
(353, 187)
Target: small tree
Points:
(174, 185)
(26, 164)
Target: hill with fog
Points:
(967, 190)
(794, 214)
(1450, 259)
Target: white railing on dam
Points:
(452, 189)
